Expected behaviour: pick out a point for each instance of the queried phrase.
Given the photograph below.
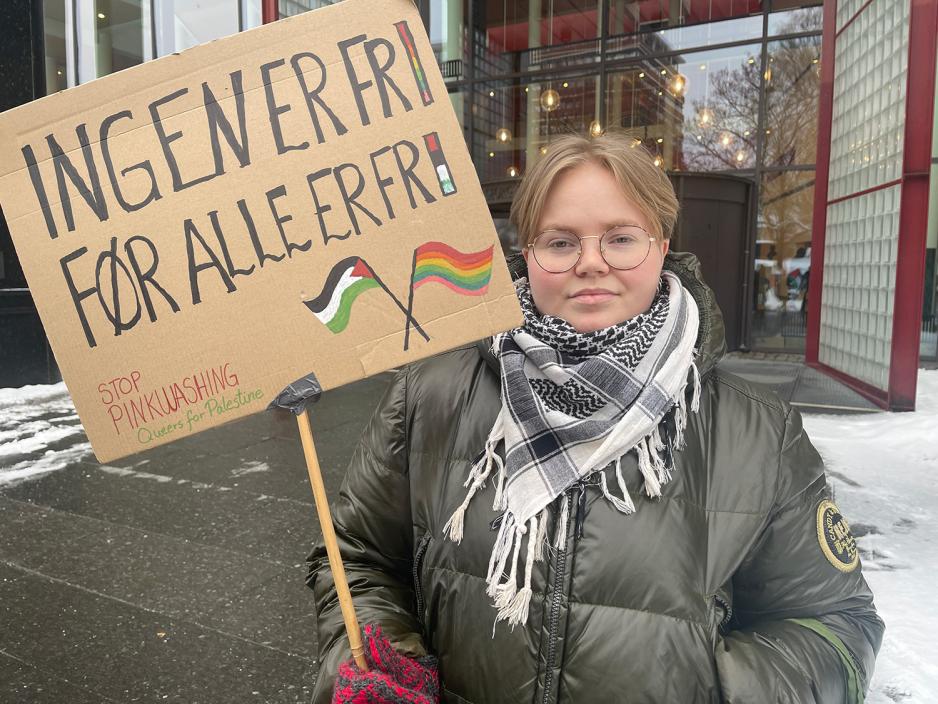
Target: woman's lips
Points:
(592, 296)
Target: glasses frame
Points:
(602, 250)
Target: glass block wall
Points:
(867, 128)
(860, 285)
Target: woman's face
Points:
(586, 200)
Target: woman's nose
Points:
(591, 257)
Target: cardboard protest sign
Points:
(201, 230)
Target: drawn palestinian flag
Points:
(347, 280)
(465, 273)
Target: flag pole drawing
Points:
(348, 279)
(465, 273)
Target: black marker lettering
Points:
(272, 195)
(232, 271)
(78, 296)
(167, 139)
(218, 121)
(93, 196)
(146, 277)
(320, 208)
(312, 95)
(154, 193)
(194, 269)
(350, 198)
(275, 110)
(407, 173)
(382, 79)
(262, 256)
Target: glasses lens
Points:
(625, 247)
(556, 251)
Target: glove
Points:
(393, 678)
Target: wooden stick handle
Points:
(332, 546)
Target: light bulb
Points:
(550, 100)
(503, 135)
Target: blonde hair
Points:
(633, 167)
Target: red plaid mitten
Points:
(393, 678)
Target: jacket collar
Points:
(711, 336)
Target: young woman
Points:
(586, 508)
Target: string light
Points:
(725, 140)
(658, 161)
(596, 129)
(550, 99)
(513, 171)
(503, 135)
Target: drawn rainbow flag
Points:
(465, 273)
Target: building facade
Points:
(716, 87)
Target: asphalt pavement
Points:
(174, 575)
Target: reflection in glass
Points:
(288, 8)
(186, 23)
(806, 19)
(783, 260)
(626, 17)
(792, 81)
(522, 35)
(118, 35)
(53, 21)
(695, 111)
(514, 121)
(447, 31)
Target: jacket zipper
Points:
(418, 562)
(555, 609)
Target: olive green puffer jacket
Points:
(718, 591)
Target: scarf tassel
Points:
(453, 528)
(512, 603)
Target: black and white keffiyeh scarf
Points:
(574, 404)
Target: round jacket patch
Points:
(837, 543)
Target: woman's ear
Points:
(524, 253)
(665, 246)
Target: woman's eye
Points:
(560, 244)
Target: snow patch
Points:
(51, 461)
(251, 467)
(882, 468)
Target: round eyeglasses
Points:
(622, 247)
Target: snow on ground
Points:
(39, 430)
(883, 468)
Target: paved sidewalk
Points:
(807, 389)
(176, 575)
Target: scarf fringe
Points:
(512, 603)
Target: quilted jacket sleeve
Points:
(373, 524)
(804, 626)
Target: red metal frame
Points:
(821, 175)
(269, 11)
(913, 205)
(913, 208)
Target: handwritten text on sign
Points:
(179, 223)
